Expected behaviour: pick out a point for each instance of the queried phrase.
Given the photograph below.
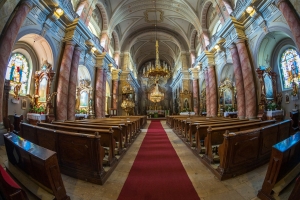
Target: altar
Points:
(34, 118)
(81, 116)
(187, 113)
(275, 114)
(230, 114)
(156, 113)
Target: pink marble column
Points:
(292, 18)
(207, 93)
(73, 83)
(196, 96)
(213, 91)
(104, 94)
(249, 86)
(8, 39)
(99, 92)
(63, 82)
(115, 92)
(238, 81)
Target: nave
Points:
(205, 183)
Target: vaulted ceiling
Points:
(134, 22)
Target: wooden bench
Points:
(81, 157)
(243, 151)
(107, 141)
(132, 131)
(39, 163)
(190, 135)
(284, 166)
(9, 189)
(296, 191)
(214, 136)
(118, 134)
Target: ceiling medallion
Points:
(150, 16)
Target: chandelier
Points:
(157, 70)
(156, 96)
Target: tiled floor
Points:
(206, 184)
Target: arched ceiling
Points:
(134, 22)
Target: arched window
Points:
(17, 72)
(290, 68)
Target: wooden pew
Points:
(296, 191)
(9, 189)
(243, 151)
(143, 119)
(284, 166)
(215, 136)
(133, 131)
(197, 126)
(128, 128)
(81, 157)
(107, 141)
(39, 163)
(118, 134)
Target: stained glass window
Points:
(290, 68)
(18, 72)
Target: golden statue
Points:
(17, 90)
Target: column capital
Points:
(29, 3)
(71, 42)
(237, 41)
(278, 2)
(116, 74)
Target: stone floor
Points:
(206, 184)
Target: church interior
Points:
(150, 99)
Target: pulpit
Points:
(17, 120)
(295, 118)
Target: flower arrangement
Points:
(38, 109)
(272, 106)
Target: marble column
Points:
(213, 91)
(292, 18)
(73, 83)
(207, 94)
(196, 96)
(249, 86)
(240, 93)
(63, 82)
(115, 92)
(99, 92)
(8, 39)
(104, 99)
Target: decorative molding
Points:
(280, 19)
(148, 12)
(28, 22)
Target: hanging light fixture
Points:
(156, 95)
(157, 70)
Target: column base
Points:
(2, 132)
(241, 117)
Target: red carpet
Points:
(157, 172)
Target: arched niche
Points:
(227, 97)
(84, 95)
(41, 47)
(108, 98)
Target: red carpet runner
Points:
(157, 172)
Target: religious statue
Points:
(186, 104)
(279, 99)
(295, 89)
(17, 90)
